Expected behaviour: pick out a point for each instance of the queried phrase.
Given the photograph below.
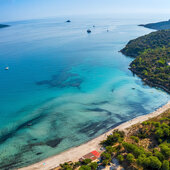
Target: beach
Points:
(74, 154)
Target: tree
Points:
(120, 158)
(86, 161)
(155, 162)
(159, 155)
(106, 156)
(93, 165)
(105, 162)
(110, 149)
(77, 164)
(165, 150)
(165, 165)
(130, 158)
(66, 166)
(135, 138)
(85, 167)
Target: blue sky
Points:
(30, 9)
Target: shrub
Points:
(133, 149)
(130, 158)
(85, 167)
(159, 133)
(135, 138)
(106, 156)
(120, 158)
(86, 161)
(155, 162)
(93, 165)
(110, 149)
(159, 155)
(165, 150)
(165, 165)
(114, 138)
(66, 166)
(76, 164)
(105, 162)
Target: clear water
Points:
(64, 86)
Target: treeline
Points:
(152, 58)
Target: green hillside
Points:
(152, 58)
(158, 26)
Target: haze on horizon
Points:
(12, 10)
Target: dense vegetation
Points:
(151, 41)
(158, 26)
(3, 26)
(152, 53)
(145, 147)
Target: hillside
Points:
(158, 26)
(152, 40)
(152, 57)
(144, 147)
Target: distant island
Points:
(152, 58)
(3, 25)
(158, 26)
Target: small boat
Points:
(68, 21)
(88, 31)
(6, 68)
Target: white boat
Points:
(6, 68)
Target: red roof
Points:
(96, 154)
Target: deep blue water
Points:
(64, 86)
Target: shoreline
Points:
(149, 83)
(75, 153)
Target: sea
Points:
(64, 86)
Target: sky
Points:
(11, 10)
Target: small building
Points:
(92, 155)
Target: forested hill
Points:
(3, 26)
(152, 40)
(152, 53)
(158, 26)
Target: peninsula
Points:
(152, 58)
(158, 26)
(3, 25)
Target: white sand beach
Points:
(75, 153)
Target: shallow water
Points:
(64, 86)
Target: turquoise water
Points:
(64, 86)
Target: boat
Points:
(6, 68)
(68, 21)
(88, 31)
